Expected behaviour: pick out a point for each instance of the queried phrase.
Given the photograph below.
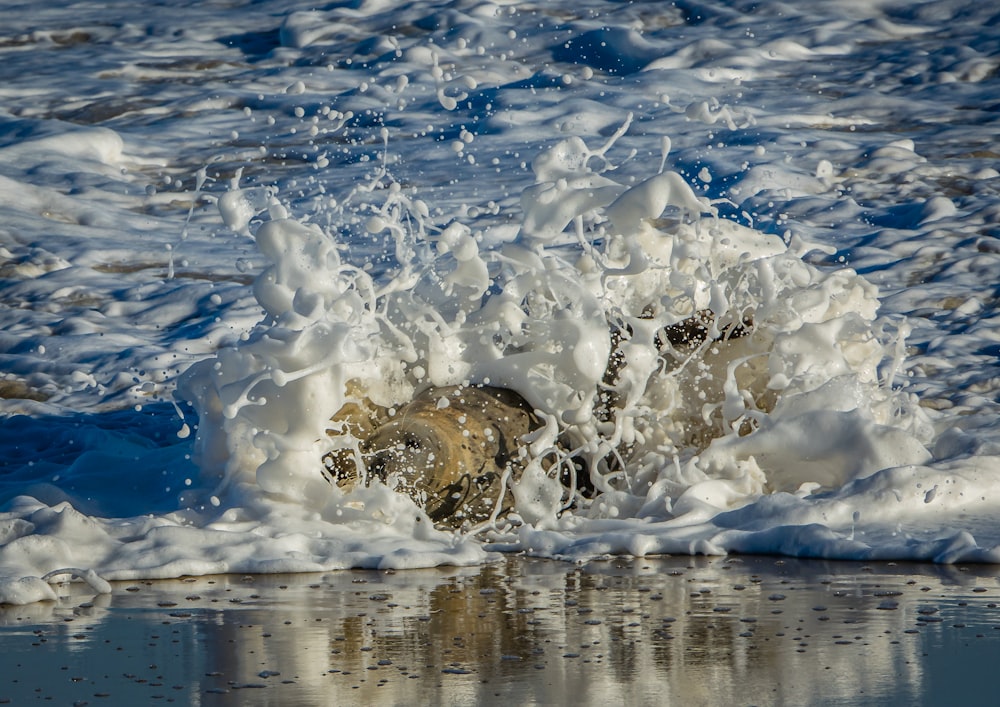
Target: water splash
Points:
(664, 347)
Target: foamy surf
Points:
(345, 245)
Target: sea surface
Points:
(224, 223)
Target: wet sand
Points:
(650, 631)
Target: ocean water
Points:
(221, 223)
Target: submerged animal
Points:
(459, 450)
(455, 450)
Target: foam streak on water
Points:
(212, 239)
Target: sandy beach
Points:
(669, 631)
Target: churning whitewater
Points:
(396, 286)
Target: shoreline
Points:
(656, 630)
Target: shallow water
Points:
(212, 239)
(647, 631)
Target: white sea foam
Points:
(367, 200)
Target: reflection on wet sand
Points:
(683, 631)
